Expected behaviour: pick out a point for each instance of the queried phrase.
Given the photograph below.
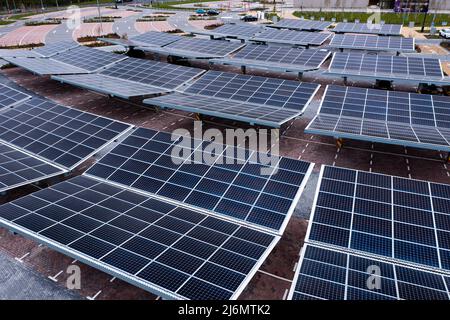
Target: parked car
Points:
(249, 18)
(212, 12)
(200, 11)
(445, 33)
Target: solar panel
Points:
(51, 49)
(87, 58)
(18, 168)
(372, 42)
(44, 66)
(301, 25)
(232, 185)
(236, 31)
(152, 38)
(10, 97)
(197, 48)
(299, 38)
(401, 118)
(172, 251)
(62, 135)
(40, 52)
(415, 69)
(253, 99)
(391, 218)
(326, 274)
(276, 58)
(381, 29)
(134, 77)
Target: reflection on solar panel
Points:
(44, 66)
(332, 275)
(426, 70)
(388, 217)
(87, 58)
(237, 31)
(276, 58)
(40, 52)
(197, 48)
(408, 119)
(299, 24)
(253, 99)
(232, 185)
(18, 168)
(173, 251)
(60, 134)
(134, 77)
(299, 38)
(381, 29)
(372, 42)
(152, 38)
(10, 96)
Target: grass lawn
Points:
(391, 17)
(173, 4)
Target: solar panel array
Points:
(152, 38)
(381, 29)
(62, 135)
(292, 37)
(10, 97)
(173, 251)
(240, 31)
(284, 58)
(236, 183)
(18, 168)
(254, 99)
(372, 42)
(389, 217)
(134, 77)
(300, 24)
(87, 58)
(331, 275)
(402, 118)
(386, 67)
(197, 48)
(44, 66)
(374, 236)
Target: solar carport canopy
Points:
(197, 48)
(134, 77)
(73, 61)
(10, 96)
(301, 25)
(61, 135)
(367, 223)
(252, 99)
(372, 42)
(415, 69)
(381, 29)
(277, 58)
(151, 38)
(238, 31)
(401, 118)
(176, 249)
(292, 37)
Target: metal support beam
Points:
(243, 69)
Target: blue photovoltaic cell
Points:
(381, 29)
(144, 161)
(386, 216)
(169, 250)
(326, 274)
(301, 25)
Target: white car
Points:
(445, 33)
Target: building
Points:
(409, 5)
